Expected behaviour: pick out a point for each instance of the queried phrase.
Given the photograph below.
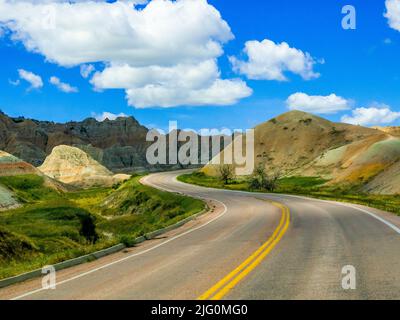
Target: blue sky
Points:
(362, 66)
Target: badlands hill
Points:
(298, 143)
(12, 166)
(119, 145)
(73, 166)
(394, 131)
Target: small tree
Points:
(261, 180)
(226, 172)
(271, 181)
(257, 179)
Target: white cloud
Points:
(89, 31)
(170, 36)
(62, 86)
(182, 84)
(317, 104)
(374, 115)
(221, 92)
(393, 13)
(35, 81)
(267, 60)
(14, 83)
(87, 70)
(108, 115)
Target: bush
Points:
(128, 240)
(226, 172)
(261, 180)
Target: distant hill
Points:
(73, 166)
(298, 143)
(394, 131)
(119, 145)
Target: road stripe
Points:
(222, 287)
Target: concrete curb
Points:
(98, 254)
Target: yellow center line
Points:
(223, 286)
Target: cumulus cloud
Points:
(317, 104)
(87, 70)
(163, 35)
(267, 60)
(182, 84)
(89, 31)
(62, 86)
(220, 93)
(374, 115)
(393, 13)
(108, 115)
(34, 80)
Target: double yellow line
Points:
(219, 290)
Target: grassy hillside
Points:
(133, 209)
(29, 188)
(307, 186)
(51, 227)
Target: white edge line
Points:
(130, 256)
(349, 205)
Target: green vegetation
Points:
(199, 178)
(261, 179)
(53, 226)
(305, 186)
(134, 210)
(28, 188)
(226, 173)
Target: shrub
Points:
(226, 172)
(261, 180)
(127, 240)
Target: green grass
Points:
(305, 186)
(28, 188)
(47, 229)
(137, 209)
(199, 178)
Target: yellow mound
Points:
(73, 166)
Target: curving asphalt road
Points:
(250, 246)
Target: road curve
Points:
(251, 246)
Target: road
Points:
(250, 246)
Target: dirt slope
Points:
(73, 166)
